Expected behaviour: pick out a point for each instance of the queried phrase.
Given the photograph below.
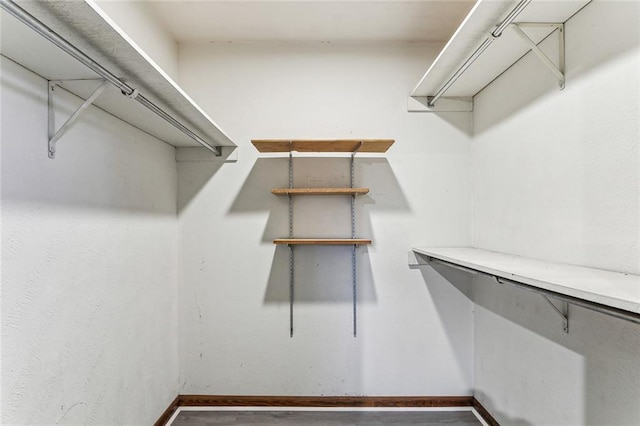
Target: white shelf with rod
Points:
(494, 35)
(612, 293)
(77, 47)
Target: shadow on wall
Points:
(592, 371)
(585, 52)
(446, 297)
(321, 273)
(192, 182)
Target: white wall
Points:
(89, 246)
(556, 177)
(415, 331)
(138, 20)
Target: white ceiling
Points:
(311, 20)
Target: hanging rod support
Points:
(32, 22)
(54, 134)
(558, 71)
(564, 314)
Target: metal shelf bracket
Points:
(55, 135)
(558, 71)
(563, 312)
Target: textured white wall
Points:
(415, 331)
(89, 246)
(556, 177)
(138, 20)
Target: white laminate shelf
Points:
(503, 52)
(597, 288)
(89, 29)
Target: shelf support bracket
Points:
(564, 313)
(55, 135)
(558, 71)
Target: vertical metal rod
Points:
(353, 250)
(291, 290)
(291, 278)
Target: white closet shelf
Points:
(501, 54)
(88, 28)
(603, 288)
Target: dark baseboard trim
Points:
(323, 401)
(172, 408)
(484, 413)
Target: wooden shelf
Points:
(87, 27)
(340, 145)
(319, 191)
(605, 288)
(322, 241)
(500, 55)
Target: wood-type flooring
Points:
(326, 418)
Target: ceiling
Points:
(311, 20)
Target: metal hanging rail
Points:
(46, 32)
(497, 32)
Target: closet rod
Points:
(497, 32)
(32, 22)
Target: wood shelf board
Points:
(88, 28)
(501, 54)
(614, 289)
(323, 145)
(319, 191)
(322, 241)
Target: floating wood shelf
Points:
(319, 191)
(322, 241)
(319, 145)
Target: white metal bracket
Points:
(558, 71)
(54, 134)
(563, 312)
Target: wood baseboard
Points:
(172, 408)
(323, 401)
(484, 413)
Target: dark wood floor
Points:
(318, 418)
